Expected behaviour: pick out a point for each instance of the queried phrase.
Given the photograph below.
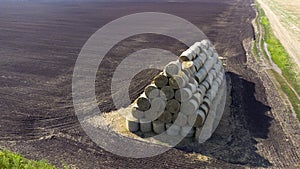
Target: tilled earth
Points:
(40, 43)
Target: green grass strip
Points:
(279, 54)
(9, 160)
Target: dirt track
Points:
(39, 46)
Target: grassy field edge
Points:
(289, 82)
(10, 160)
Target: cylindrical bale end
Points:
(151, 115)
(173, 106)
(158, 126)
(136, 113)
(183, 94)
(189, 66)
(172, 68)
(177, 82)
(158, 104)
(165, 117)
(143, 103)
(151, 91)
(168, 92)
(189, 107)
(161, 80)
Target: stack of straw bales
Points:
(186, 95)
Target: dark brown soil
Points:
(39, 46)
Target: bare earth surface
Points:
(39, 46)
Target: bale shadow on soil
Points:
(234, 140)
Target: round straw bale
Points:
(193, 81)
(195, 48)
(158, 104)
(132, 126)
(132, 123)
(183, 94)
(198, 97)
(143, 103)
(137, 113)
(187, 55)
(202, 89)
(198, 63)
(189, 67)
(200, 75)
(200, 118)
(173, 130)
(158, 126)
(181, 119)
(177, 82)
(204, 108)
(192, 87)
(203, 58)
(189, 107)
(151, 91)
(173, 106)
(161, 80)
(172, 68)
(207, 102)
(165, 117)
(145, 125)
(168, 92)
(151, 115)
(206, 85)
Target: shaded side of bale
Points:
(201, 75)
(132, 126)
(145, 125)
(200, 118)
